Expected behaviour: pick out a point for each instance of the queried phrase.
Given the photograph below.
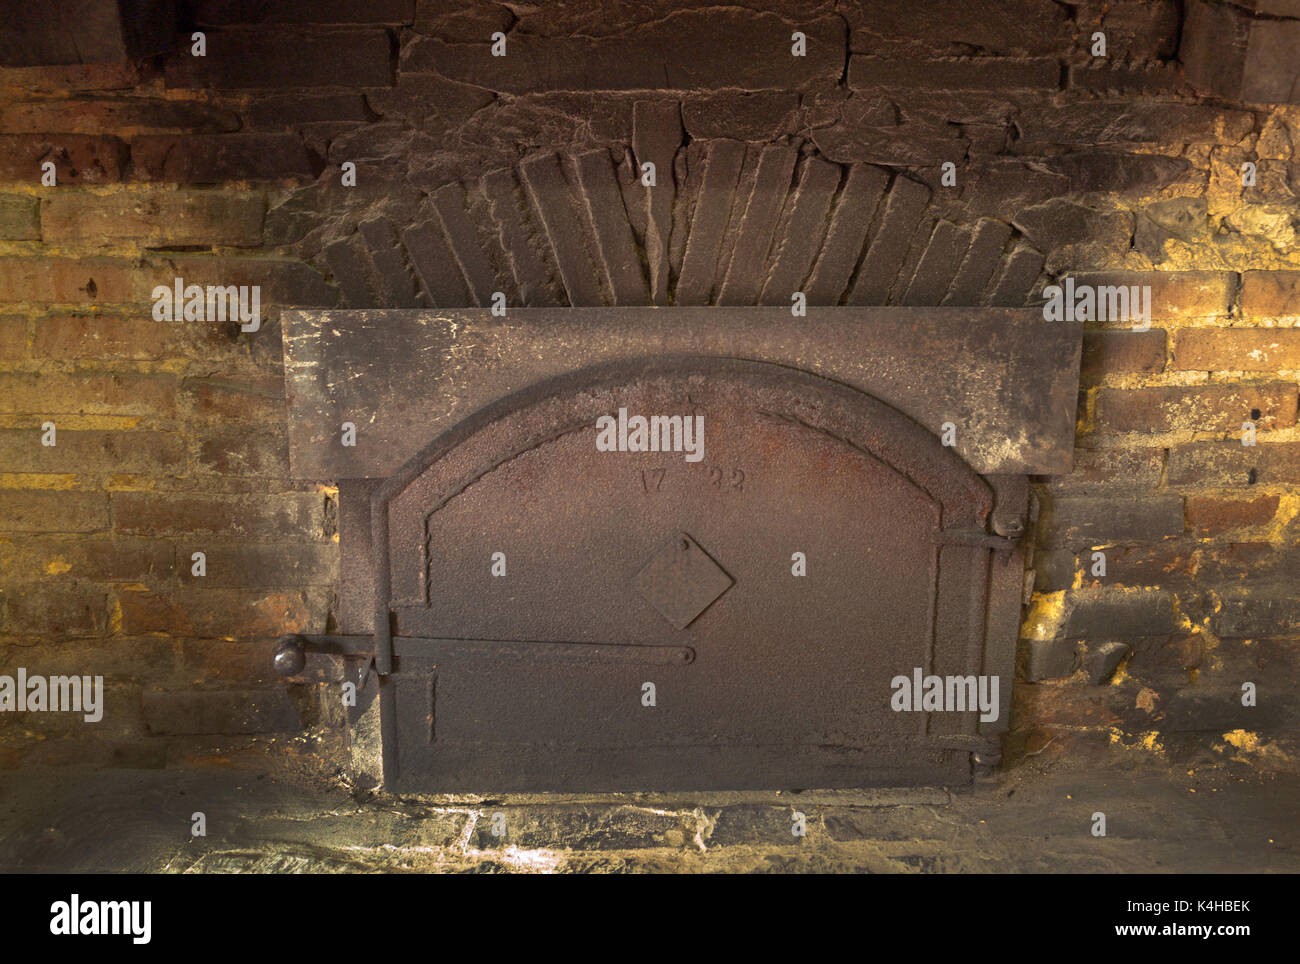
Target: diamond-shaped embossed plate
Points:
(681, 581)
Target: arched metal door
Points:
(565, 618)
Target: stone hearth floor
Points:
(1033, 819)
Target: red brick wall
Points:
(225, 170)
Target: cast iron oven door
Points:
(649, 630)
(524, 611)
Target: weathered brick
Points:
(283, 281)
(298, 107)
(997, 187)
(802, 228)
(968, 73)
(20, 218)
(1113, 352)
(273, 567)
(214, 158)
(65, 280)
(284, 57)
(220, 711)
(122, 660)
(657, 135)
(1173, 562)
(1218, 710)
(744, 115)
(1276, 8)
(66, 740)
(1259, 610)
(1184, 219)
(101, 394)
(1006, 27)
(721, 169)
(1136, 30)
(979, 262)
(1049, 659)
(1055, 569)
(675, 52)
(13, 337)
(429, 102)
(430, 257)
(898, 219)
(1126, 121)
(938, 266)
(1270, 294)
(1060, 222)
(286, 515)
(65, 608)
(548, 188)
(49, 510)
(98, 560)
(126, 337)
(751, 233)
(114, 115)
(1086, 520)
(396, 282)
(65, 78)
(155, 218)
(236, 451)
(1117, 172)
(1235, 562)
(1155, 658)
(1015, 280)
(1111, 468)
(465, 24)
(1206, 408)
(1237, 349)
(80, 452)
(1070, 706)
(1280, 657)
(255, 397)
(1210, 515)
(1101, 660)
(222, 613)
(78, 158)
(223, 12)
(1231, 54)
(1145, 79)
(918, 145)
(615, 248)
(1119, 615)
(1231, 464)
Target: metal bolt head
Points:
(289, 658)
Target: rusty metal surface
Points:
(789, 684)
(1005, 378)
(476, 436)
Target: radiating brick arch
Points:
(726, 223)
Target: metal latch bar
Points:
(291, 651)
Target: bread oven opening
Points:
(660, 549)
